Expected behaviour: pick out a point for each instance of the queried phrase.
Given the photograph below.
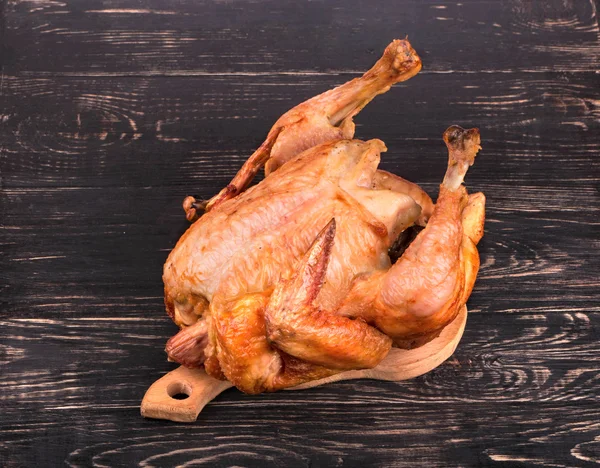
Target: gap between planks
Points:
(193, 73)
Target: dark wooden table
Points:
(112, 111)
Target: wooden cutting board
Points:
(200, 388)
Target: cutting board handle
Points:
(181, 394)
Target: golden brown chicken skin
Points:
(297, 267)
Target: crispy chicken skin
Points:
(290, 280)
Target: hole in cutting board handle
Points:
(179, 390)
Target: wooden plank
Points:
(160, 37)
(326, 434)
(81, 251)
(196, 132)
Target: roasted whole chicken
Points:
(291, 280)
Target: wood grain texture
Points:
(174, 37)
(112, 111)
